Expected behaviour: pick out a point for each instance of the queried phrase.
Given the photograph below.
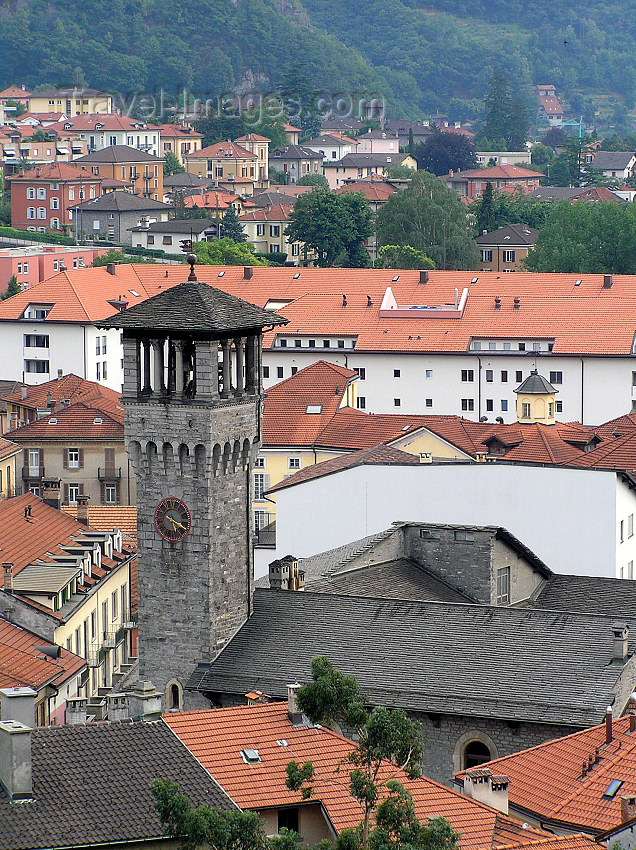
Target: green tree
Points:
(220, 129)
(506, 115)
(335, 226)
(585, 238)
(398, 172)
(397, 825)
(403, 257)
(12, 289)
(40, 135)
(486, 212)
(203, 825)
(431, 218)
(541, 156)
(226, 252)
(382, 736)
(231, 226)
(494, 210)
(171, 164)
(300, 98)
(442, 152)
(313, 180)
(17, 108)
(114, 256)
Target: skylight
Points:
(314, 408)
(251, 756)
(612, 788)
(135, 293)
(52, 420)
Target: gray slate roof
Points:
(179, 181)
(555, 193)
(360, 160)
(118, 153)
(92, 785)
(401, 579)
(612, 160)
(194, 307)
(511, 234)
(612, 597)
(295, 152)
(535, 384)
(120, 201)
(265, 199)
(469, 660)
(178, 225)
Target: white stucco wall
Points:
(568, 517)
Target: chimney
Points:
(248, 271)
(15, 759)
(609, 734)
(51, 492)
(516, 303)
(18, 704)
(293, 712)
(628, 807)
(82, 509)
(117, 706)
(144, 702)
(620, 635)
(497, 302)
(481, 785)
(23, 392)
(75, 711)
(7, 570)
(607, 281)
(423, 275)
(110, 268)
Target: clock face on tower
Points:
(172, 519)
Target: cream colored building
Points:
(258, 145)
(265, 230)
(71, 101)
(9, 458)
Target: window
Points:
(519, 376)
(259, 463)
(396, 373)
(311, 343)
(104, 615)
(282, 343)
(634, 379)
(41, 194)
(504, 404)
(463, 536)
(298, 343)
(73, 493)
(294, 463)
(475, 754)
(97, 346)
(630, 569)
(630, 525)
(490, 405)
(166, 240)
(150, 239)
(550, 409)
(41, 212)
(468, 404)
(525, 410)
(489, 376)
(93, 625)
(556, 377)
(486, 255)
(274, 230)
(397, 402)
(522, 346)
(506, 346)
(39, 366)
(55, 203)
(622, 531)
(110, 494)
(71, 193)
(260, 229)
(288, 818)
(73, 458)
(279, 371)
(36, 340)
(98, 372)
(294, 369)
(559, 407)
(536, 346)
(468, 375)
(361, 402)
(342, 345)
(362, 372)
(259, 486)
(266, 371)
(326, 343)
(503, 586)
(31, 212)
(114, 600)
(96, 224)
(429, 373)
(504, 376)
(31, 193)
(509, 256)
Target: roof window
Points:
(251, 756)
(314, 408)
(52, 420)
(98, 420)
(135, 293)
(612, 788)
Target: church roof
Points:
(536, 665)
(196, 307)
(536, 384)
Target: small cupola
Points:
(536, 400)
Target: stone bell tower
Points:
(192, 398)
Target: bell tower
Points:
(192, 398)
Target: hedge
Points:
(35, 236)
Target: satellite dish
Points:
(51, 651)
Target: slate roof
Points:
(385, 455)
(611, 597)
(612, 160)
(176, 225)
(568, 797)
(535, 384)
(194, 306)
(119, 153)
(217, 736)
(178, 181)
(325, 564)
(401, 579)
(91, 785)
(511, 234)
(120, 201)
(269, 198)
(534, 665)
(295, 152)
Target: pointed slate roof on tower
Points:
(536, 384)
(194, 307)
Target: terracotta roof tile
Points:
(70, 387)
(222, 149)
(78, 420)
(57, 171)
(216, 738)
(21, 664)
(108, 517)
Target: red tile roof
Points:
(252, 137)
(277, 212)
(87, 123)
(230, 150)
(8, 449)
(213, 200)
(216, 738)
(108, 517)
(21, 664)
(73, 389)
(79, 421)
(569, 797)
(14, 92)
(376, 191)
(57, 171)
(497, 172)
(178, 130)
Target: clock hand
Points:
(174, 523)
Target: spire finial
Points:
(192, 258)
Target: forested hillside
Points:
(422, 54)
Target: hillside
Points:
(422, 54)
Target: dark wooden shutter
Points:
(25, 462)
(66, 494)
(109, 459)
(81, 459)
(65, 458)
(102, 493)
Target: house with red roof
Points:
(504, 178)
(265, 230)
(225, 160)
(179, 139)
(42, 198)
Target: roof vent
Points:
(607, 281)
(397, 277)
(221, 274)
(578, 282)
(474, 280)
(516, 302)
(251, 756)
(369, 301)
(98, 420)
(314, 408)
(344, 300)
(497, 302)
(52, 420)
(296, 276)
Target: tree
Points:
(226, 252)
(506, 115)
(403, 257)
(333, 697)
(114, 256)
(231, 226)
(397, 825)
(584, 238)
(494, 210)
(335, 226)
(40, 135)
(171, 164)
(442, 152)
(203, 825)
(12, 289)
(430, 218)
(486, 213)
(16, 107)
(398, 172)
(313, 180)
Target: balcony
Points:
(32, 473)
(110, 639)
(109, 473)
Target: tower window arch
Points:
(475, 753)
(174, 696)
(472, 748)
